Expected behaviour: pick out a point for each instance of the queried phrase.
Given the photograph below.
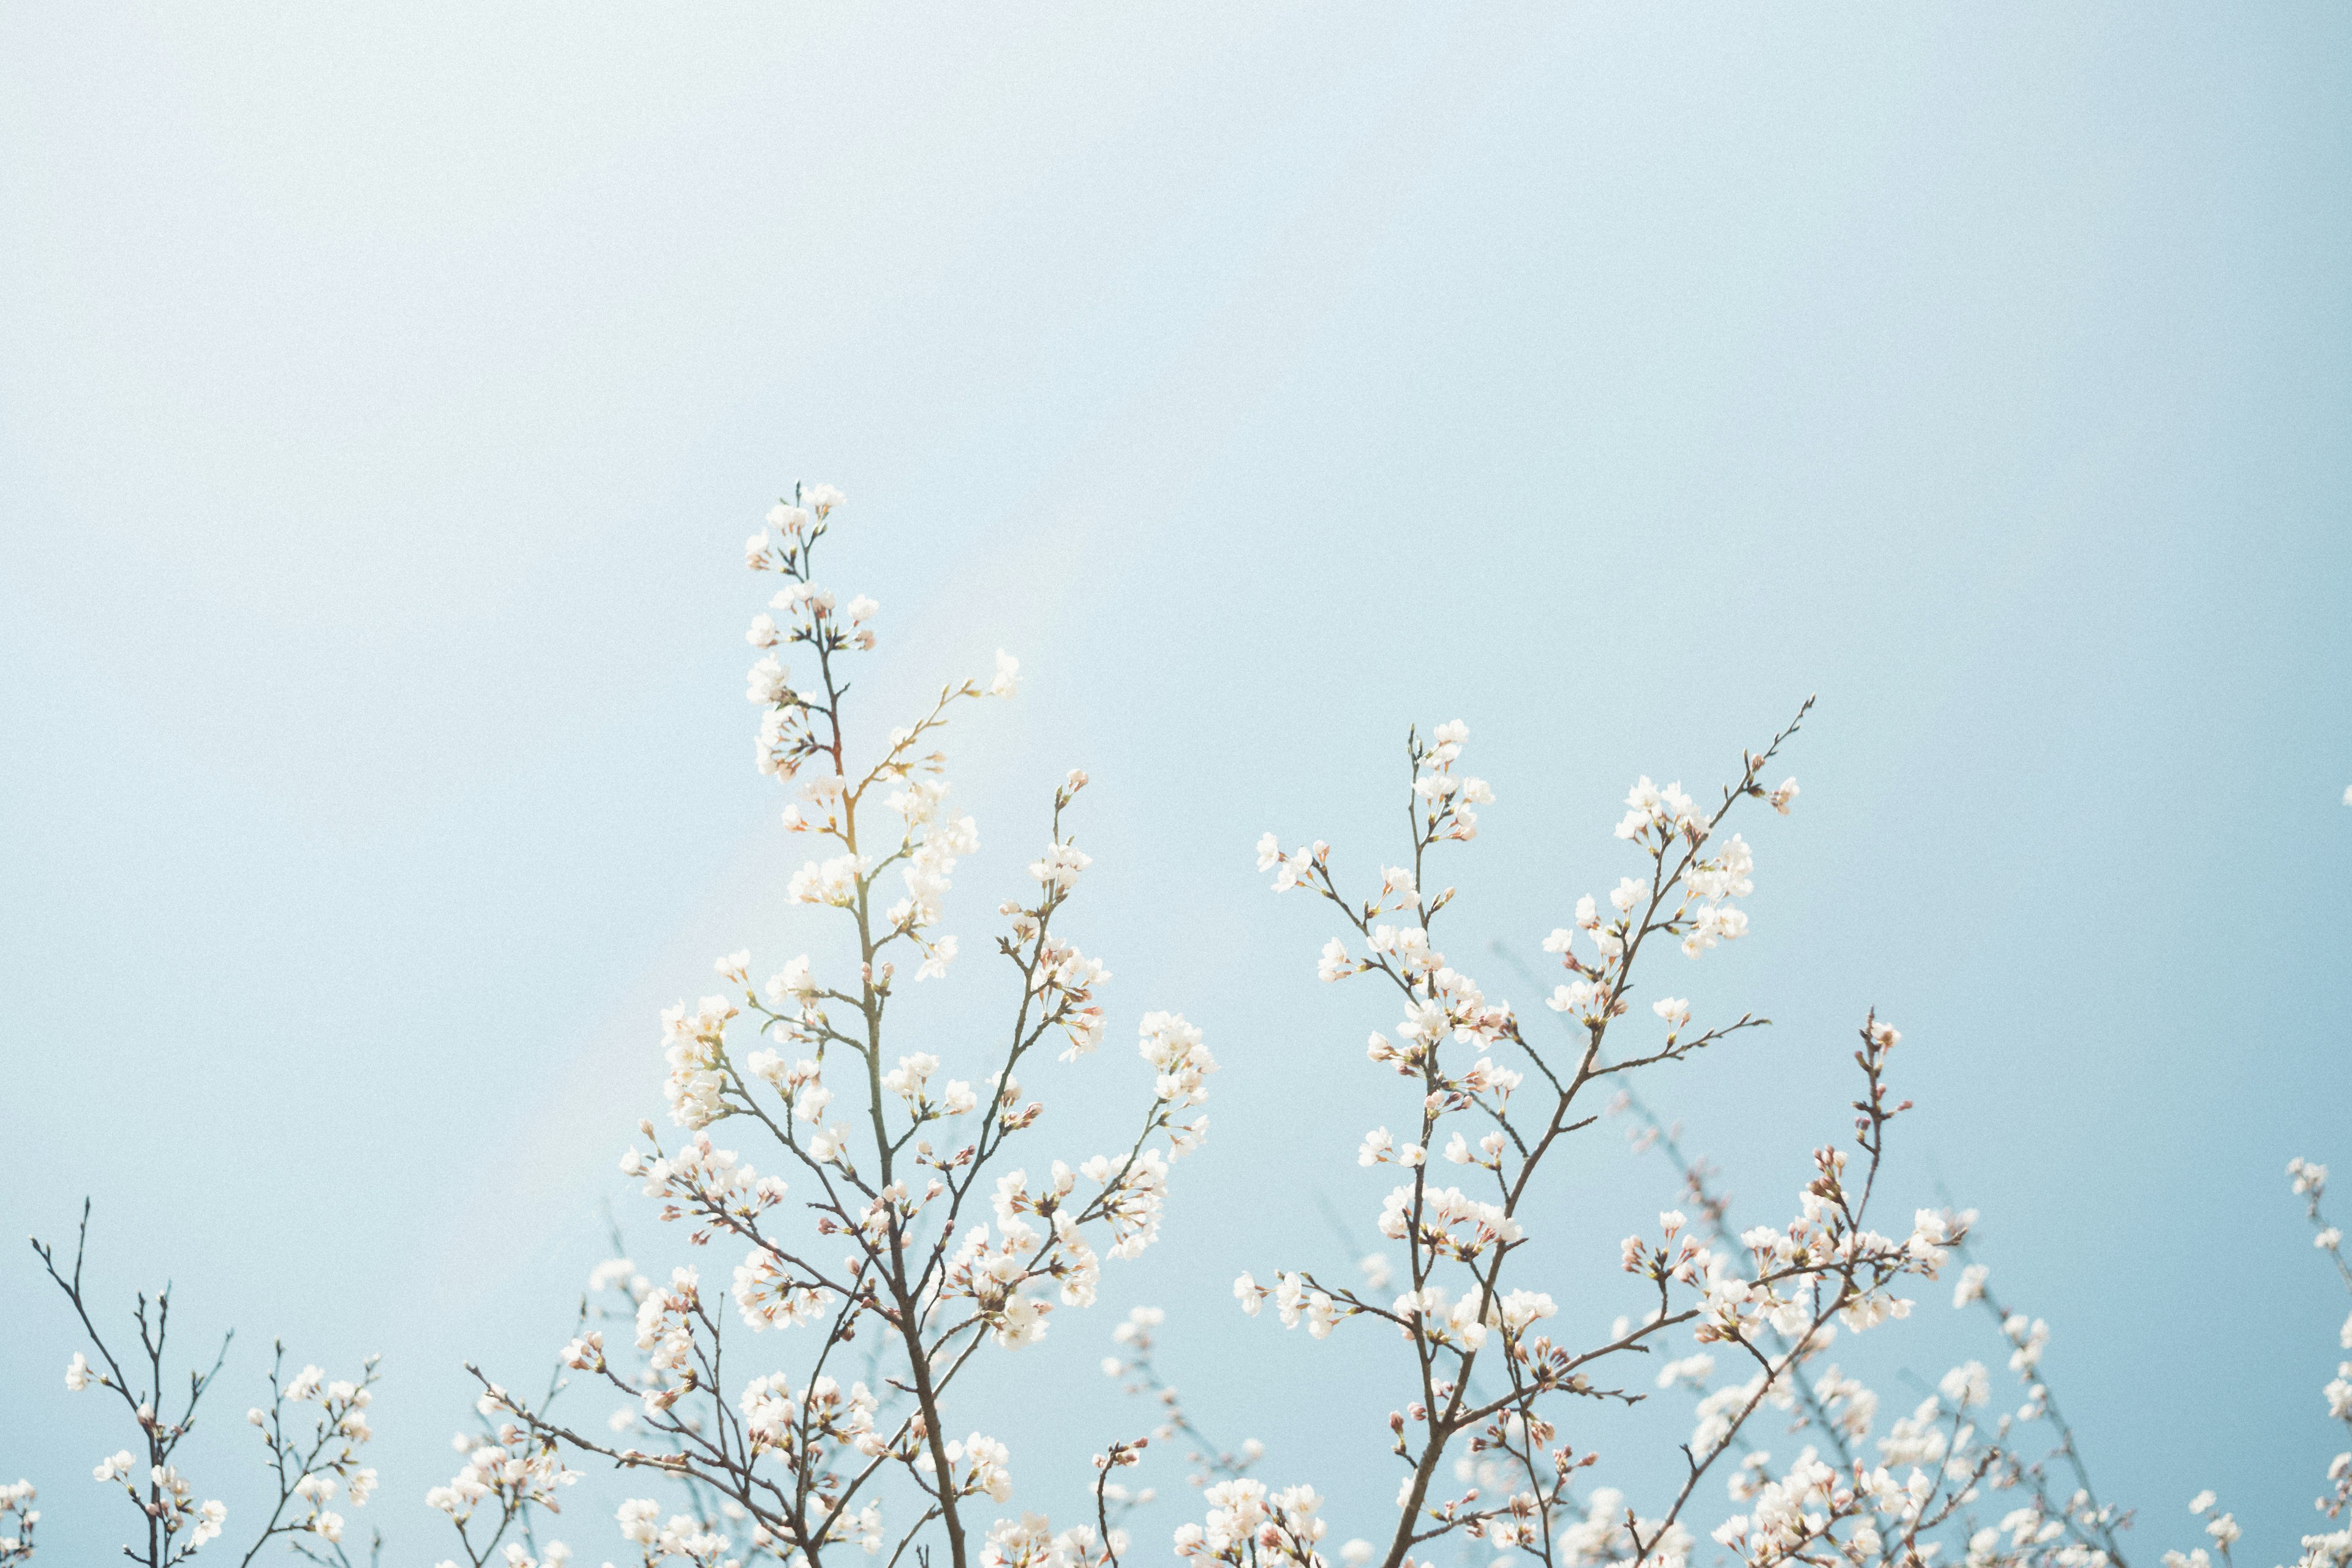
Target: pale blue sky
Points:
(386, 394)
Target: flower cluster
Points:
(501, 1477)
(17, 1518)
(2329, 1549)
(681, 1537)
(314, 1457)
(1247, 1524)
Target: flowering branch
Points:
(176, 1524)
(896, 1174)
(1826, 1267)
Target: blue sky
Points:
(388, 394)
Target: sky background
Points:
(386, 394)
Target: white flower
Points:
(1971, 1285)
(1008, 671)
(767, 682)
(1269, 852)
(1521, 1308)
(1966, 1387)
(639, 1519)
(1060, 866)
(936, 959)
(1577, 997)
(833, 882)
(794, 980)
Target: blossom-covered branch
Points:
(1772, 1296)
(898, 1164)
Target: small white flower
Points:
(1008, 672)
